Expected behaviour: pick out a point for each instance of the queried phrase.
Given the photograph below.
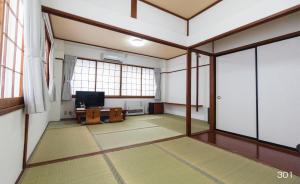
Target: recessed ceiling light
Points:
(137, 42)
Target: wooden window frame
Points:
(8, 105)
(121, 79)
(47, 54)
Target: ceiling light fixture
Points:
(137, 42)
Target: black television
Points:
(89, 99)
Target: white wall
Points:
(278, 27)
(175, 86)
(230, 14)
(117, 13)
(85, 51)
(11, 142)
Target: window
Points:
(113, 79)
(84, 77)
(12, 50)
(108, 78)
(47, 45)
(149, 86)
(131, 81)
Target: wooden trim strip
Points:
(20, 176)
(120, 97)
(134, 9)
(103, 152)
(176, 56)
(25, 141)
(163, 9)
(202, 52)
(197, 82)
(179, 104)
(205, 9)
(187, 28)
(184, 69)
(250, 25)
(188, 93)
(212, 86)
(102, 47)
(260, 43)
(8, 105)
(11, 109)
(109, 27)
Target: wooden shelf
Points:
(178, 104)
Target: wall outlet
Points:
(66, 112)
(70, 113)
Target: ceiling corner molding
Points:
(162, 9)
(250, 25)
(109, 27)
(205, 9)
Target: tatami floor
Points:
(149, 149)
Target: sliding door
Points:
(236, 93)
(279, 92)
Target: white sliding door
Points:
(236, 93)
(279, 92)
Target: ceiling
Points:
(183, 8)
(71, 30)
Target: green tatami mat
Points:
(225, 166)
(64, 142)
(142, 117)
(126, 138)
(89, 170)
(149, 165)
(178, 124)
(63, 124)
(119, 127)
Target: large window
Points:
(113, 79)
(12, 49)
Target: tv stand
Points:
(80, 113)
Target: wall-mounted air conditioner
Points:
(115, 57)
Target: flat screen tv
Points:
(89, 99)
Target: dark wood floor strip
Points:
(270, 155)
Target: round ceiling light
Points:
(137, 42)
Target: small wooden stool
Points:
(93, 116)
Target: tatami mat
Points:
(63, 124)
(225, 166)
(126, 138)
(143, 117)
(119, 127)
(149, 165)
(64, 142)
(89, 170)
(178, 123)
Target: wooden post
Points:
(212, 83)
(25, 140)
(133, 8)
(188, 92)
(197, 83)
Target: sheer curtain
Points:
(157, 76)
(34, 81)
(52, 86)
(69, 65)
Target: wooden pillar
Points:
(188, 92)
(197, 83)
(25, 140)
(133, 8)
(212, 84)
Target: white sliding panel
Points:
(278, 92)
(236, 93)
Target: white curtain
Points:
(34, 80)
(69, 65)
(157, 76)
(52, 86)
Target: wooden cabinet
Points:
(156, 108)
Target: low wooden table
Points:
(80, 112)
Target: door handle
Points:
(219, 97)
